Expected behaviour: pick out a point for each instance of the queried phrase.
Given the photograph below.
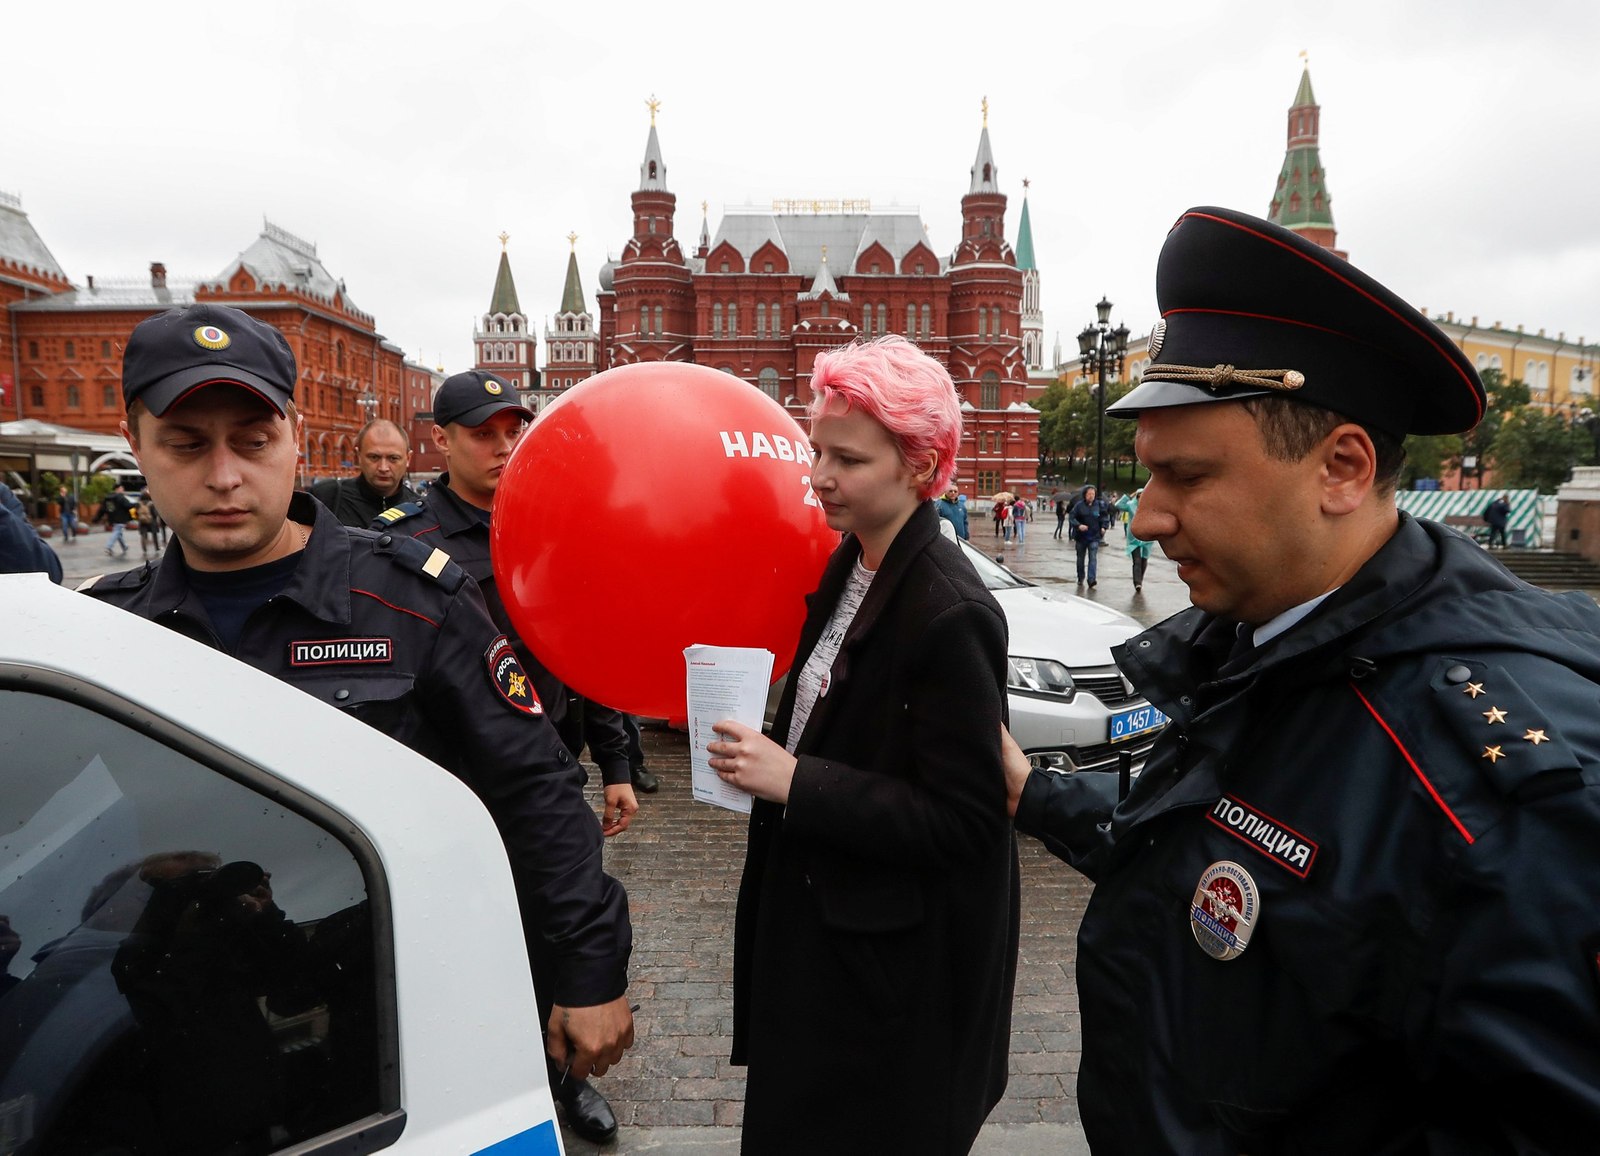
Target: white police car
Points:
(234, 920)
(1071, 709)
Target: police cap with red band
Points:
(177, 352)
(1250, 309)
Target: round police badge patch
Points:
(493, 387)
(210, 337)
(1225, 910)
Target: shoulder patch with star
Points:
(1503, 731)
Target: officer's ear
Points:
(440, 439)
(1348, 467)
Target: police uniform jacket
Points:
(377, 626)
(876, 933)
(354, 502)
(445, 520)
(1408, 779)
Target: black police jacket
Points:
(355, 503)
(387, 629)
(445, 520)
(1397, 801)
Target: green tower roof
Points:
(1301, 199)
(1304, 96)
(572, 295)
(1025, 239)
(505, 289)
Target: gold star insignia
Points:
(1474, 689)
(1493, 754)
(1495, 715)
(1536, 737)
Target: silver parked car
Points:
(1071, 709)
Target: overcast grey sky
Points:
(1458, 139)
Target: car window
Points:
(994, 576)
(186, 964)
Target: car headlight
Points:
(1039, 675)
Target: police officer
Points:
(477, 421)
(378, 625)
(1349, 906)
(383, 455)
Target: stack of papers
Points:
(724, 682)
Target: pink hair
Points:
(905, 391)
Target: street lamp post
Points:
(1098, 344)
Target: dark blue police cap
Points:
(177, 352)
(475, 396)
(1250, 309)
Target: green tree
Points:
(1537, 450)
(1506, 397)
(1428, 456)
(93, 491)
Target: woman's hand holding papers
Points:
(749, 760)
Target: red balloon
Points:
(650, 508)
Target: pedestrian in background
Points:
(999, 517)
(116, 511)
(1498, 514)
(954, 511)
(1138, 551)
(1061, 516)
(1020, 516)
(876, 935)
(149, 522)
(1089, 522)
(69, 515)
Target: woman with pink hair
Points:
(876, 937)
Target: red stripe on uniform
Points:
(1443, 806)
(392, 606)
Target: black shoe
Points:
(1091, 583)
(586, 1110)
(644, 780)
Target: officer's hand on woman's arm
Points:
(749, 760)
(1016, 767)
(621, 804)
(585, 1041)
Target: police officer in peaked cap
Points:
(376, 624)
(477, 422)
(1350, 905)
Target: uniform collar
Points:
(456, 515)
(321, 583)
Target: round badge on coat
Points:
(210, 337)
(1225, 910)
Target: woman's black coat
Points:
(876, 939)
